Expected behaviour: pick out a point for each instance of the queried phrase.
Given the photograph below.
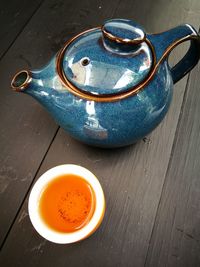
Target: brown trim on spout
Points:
(21, 80)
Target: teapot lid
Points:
(106, 61)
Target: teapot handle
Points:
(167, 41)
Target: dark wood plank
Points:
(26, 129)
(14, 15)
(132, 177)
(176, 236)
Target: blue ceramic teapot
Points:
(110, 86)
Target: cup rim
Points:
(33, 204)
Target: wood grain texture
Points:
(26, 129)
(14, 15)
(132, 177)
(176, 236)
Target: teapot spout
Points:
(21, 80)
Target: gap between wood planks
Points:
(55, 134)
(35, 11)
(31, 184)
(169, 164)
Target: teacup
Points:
(66, 204)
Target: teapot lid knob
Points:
(123, 31)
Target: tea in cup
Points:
(66, 204)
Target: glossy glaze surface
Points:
(109, 124)
(126, 30)
(98, 68)
(93, 67)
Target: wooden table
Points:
(152, 188)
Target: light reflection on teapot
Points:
(111, 86)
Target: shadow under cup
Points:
(66, 204)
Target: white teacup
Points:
(34, 199)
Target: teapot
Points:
(112, 85)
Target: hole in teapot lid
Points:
(85, 61)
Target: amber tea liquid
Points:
(67, 203)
